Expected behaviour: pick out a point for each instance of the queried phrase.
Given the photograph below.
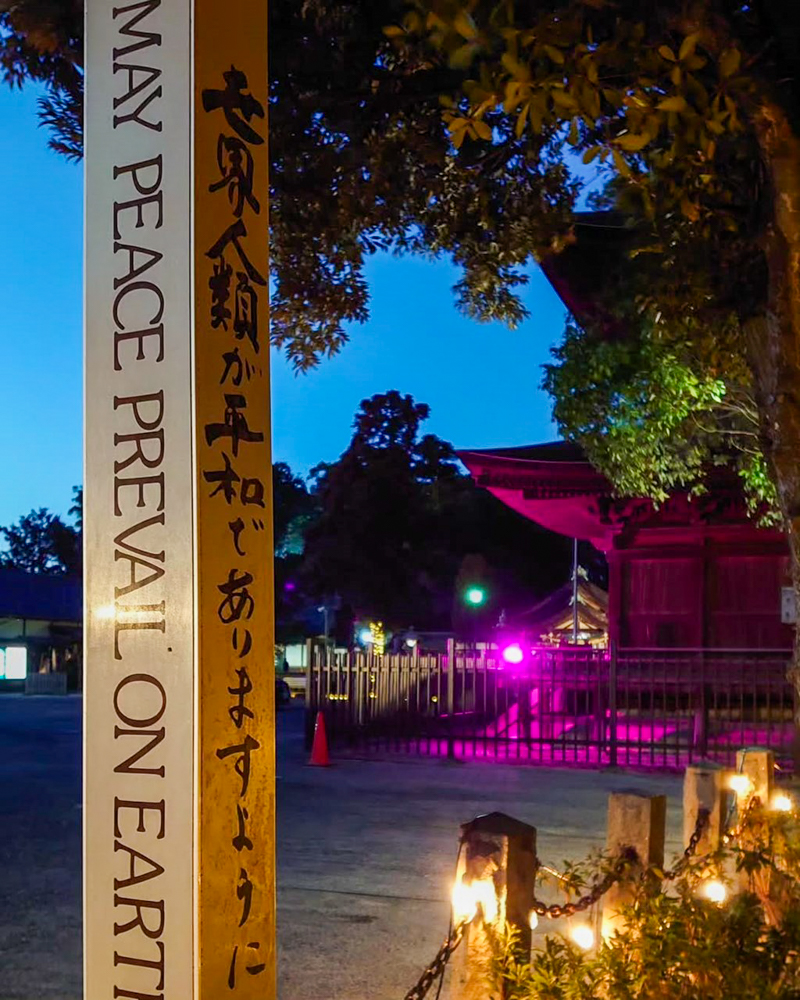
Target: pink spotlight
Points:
(513, 653)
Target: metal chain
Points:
(438, 965)
(703, 817)
(556, 910)
(731, 835)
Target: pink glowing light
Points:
(513, 653)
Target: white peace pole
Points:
(179, 714)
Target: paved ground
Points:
(365, 853)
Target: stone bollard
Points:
(704, 788)
(758, 766)
(637, 821)
(496, 871)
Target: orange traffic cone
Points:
(319, 748)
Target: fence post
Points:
(497, 870)
(451, 696)
(704, 788)
(637, 821)
(758, 765)
(310, 699)
(612, 704)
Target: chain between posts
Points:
(436, 968)
(703, 818)
(731, 835)
(599, 889)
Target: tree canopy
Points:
(455, 126)
(41, 542)
(689, 112)
(399, 521)
(360, 161)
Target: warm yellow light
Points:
(486, 896)
(105, 612)
(583, 936)
(714, 891)
(465, 904)
(781, 802)
(740, 784)
(533, 920)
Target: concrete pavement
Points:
(365, 853)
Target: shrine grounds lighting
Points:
(475, 596)
(512, 653)
(714, 891)
(365, 636)
(583, 936)
(781, 802)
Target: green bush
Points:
(677, 944)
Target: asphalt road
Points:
(365, 853)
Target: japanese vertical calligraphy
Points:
(179, 688)
(236, 893)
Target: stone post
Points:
(637, 821)
(758, 765)
(704, 788)
(497, 871)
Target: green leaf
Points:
(574, 134)
(688, 45)
(457, 124)
(632, 143)
(393, 31)
(563, 100)
(620, 165)
(462, 57)
(590, 154)
(729, 62)
(519, 71)
(482, 129)
(464, 25)
(666, 53)
(519, 128)
(673, 104)
(556, 55)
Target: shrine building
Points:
(692, 573)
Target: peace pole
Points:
(179, 688)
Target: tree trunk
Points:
(774, 338)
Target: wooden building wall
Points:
(712, 588)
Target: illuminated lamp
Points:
(513, 653)
(781, 802)
(475, 596)
(583, 936)
(365, 637)
(714, 891)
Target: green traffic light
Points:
(475, 596)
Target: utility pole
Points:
(574, 591)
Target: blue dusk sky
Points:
(481, 381)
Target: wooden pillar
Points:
(636, 821)
(497, 871)
(179, 774)
(704, 788)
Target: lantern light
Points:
(740, 784)
(365, 636)
(583, 936)
(465, 905)
(781, 802)
(533, 920)
(513, 653)
(714, 891)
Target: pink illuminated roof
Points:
(552, 484)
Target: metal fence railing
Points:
(653, 708)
